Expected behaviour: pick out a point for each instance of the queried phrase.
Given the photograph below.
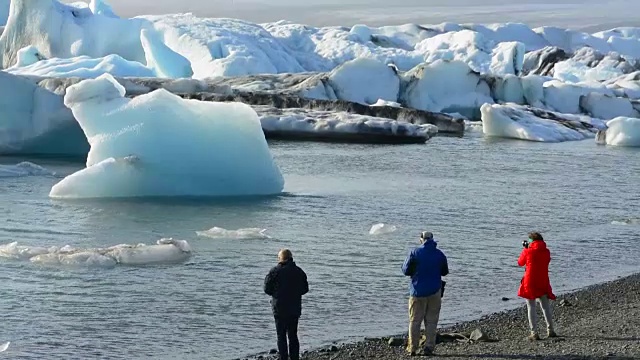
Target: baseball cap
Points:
(426, 235)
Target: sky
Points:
(587, 15)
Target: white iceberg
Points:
(518, 122)
(161, 145)
(621, 131)
(58, 30)
(163, 61)
(446, 86)
(165, 251)
(5, 346)
(382, 229)
(365, 81)
(240, 234)
(22, 169)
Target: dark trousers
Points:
(287, 326)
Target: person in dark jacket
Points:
(286, 283)
(426, 265)
(535, 285)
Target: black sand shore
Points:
(598, 322)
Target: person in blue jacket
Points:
(425, 265)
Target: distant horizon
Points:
(579, 15)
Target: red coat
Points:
(535, 283)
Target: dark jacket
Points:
(426, 265)
(286, 283)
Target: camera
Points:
(525, 244)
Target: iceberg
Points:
(621, 131)
(5, 346)
(59, 30)
(519, 122)
(240, 234)
(23, 169)
(35, 121)
(165, 251)
(365, 81)
(159, 144)
(163, 61)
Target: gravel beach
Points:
(598, 322)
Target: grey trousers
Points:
(533, 315)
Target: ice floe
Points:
(382, 229)
(165, 251)
(519, 122)
(240, 234)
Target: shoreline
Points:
(600, 321)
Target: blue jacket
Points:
(426, 265)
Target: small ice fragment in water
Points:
(381, 229)
(242, 234)
(5, 346)
(626, 222)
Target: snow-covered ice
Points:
(83, 67)
(161, 145)
(23, 169)
(240, 234)
(622, 131)
(165, 251)
(382, 229)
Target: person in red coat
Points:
(535, 285)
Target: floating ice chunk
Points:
(240, 234)
(23, 169)
(166, 251)
(5, 346)
(382, 102)
(365, 81)
(81, 66)
(163, 61)
(15, 251)
(161, 145)
(518, 122)
(382, 229)
(621, 131)
(84, 258)
(626, 222)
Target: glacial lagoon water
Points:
(479, 197)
